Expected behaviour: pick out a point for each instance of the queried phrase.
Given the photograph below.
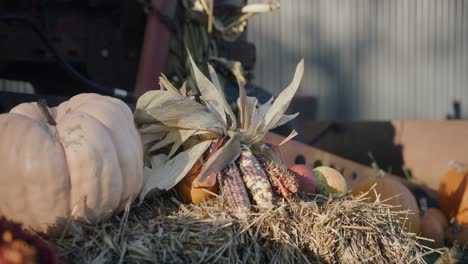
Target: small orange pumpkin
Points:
(453, 194)
(433, 225)
(437, 214)
(190, 194)
(457, 233)
(400, 196)
(305, 178)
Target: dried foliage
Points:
(346, 230)
(177, 129)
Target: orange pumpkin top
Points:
(453, 195)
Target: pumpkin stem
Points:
(42, 104)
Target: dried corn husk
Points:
(193, 19)
(177, 129)
(165, 173)
(175, 111)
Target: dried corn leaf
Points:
(211, 95)
(153, 129)
(165, 173)
(260, 115)
(148, 139)
(250, 109)
(176, 111)
(241, 104)
(177, 137)
(218, 161)
(280, 105)
(184, 135)
(183, 89)
(227, 108)
(167, 85)
(285, 119)
(152, 132)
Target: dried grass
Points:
(162, 230)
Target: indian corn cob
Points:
(283, 180)
(233, 189)
(279, 188)
(255, 179)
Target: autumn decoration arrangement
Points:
(185, 177)
(202, 137)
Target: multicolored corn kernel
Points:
(280, 178)
(233, 189)
(255, 179)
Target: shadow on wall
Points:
(367, 60)
(345, 140)
(331, 74)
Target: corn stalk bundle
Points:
(199, 31)
(179, 129)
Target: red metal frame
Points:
(155, 49)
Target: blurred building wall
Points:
(368, 59)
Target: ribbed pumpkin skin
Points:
(453, 195)
(89, 164)
(388, 188)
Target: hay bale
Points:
(346, 230)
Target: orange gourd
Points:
(190, 194)
(400, 195)
(82, 159)
(439, 216)
(433, 225)
(453, 194)
(458, 233)
(305, 178)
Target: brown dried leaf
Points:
(281, 103)
(165, 173)
(211, 95)
(175, 111)
(241, 104)
(183, 89)
(285, 119)
(218, 161)
(184, 135)
(250, 112)
(227, 108)
(177, 137)
(167, 85)
(260, 116)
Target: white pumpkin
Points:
(87, 166)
